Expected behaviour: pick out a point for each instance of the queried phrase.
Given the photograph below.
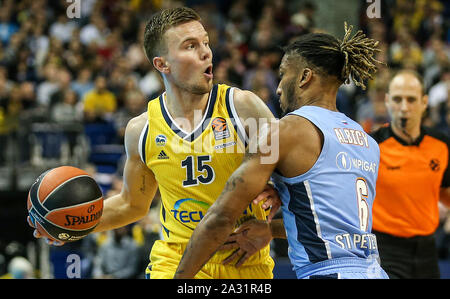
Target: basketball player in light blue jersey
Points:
(325, 172)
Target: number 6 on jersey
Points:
(362, 193)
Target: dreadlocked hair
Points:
(359, 57)
(349, 58)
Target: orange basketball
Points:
(65, 204)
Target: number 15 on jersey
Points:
(199, 163)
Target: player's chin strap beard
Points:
(403, 127)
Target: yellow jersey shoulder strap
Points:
(220, 94)
(233, 115)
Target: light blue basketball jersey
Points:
(327, 211)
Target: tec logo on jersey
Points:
(189, 215)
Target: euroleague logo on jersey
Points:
(435, 165)
(220, 128)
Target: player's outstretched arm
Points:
(254, 114)
(139, 187)
(139, 184)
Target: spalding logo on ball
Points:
(65, 204)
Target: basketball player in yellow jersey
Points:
(191, 167)
(188, 143)
(192, 140)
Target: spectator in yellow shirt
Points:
(99, 103)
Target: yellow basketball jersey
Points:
(191, 168)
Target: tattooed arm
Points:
(241, 188)
(139, 184)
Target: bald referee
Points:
(413, 176)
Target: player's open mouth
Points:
(208, 72)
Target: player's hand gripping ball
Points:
(64, 204)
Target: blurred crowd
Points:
(92, 69)
(413, 34)
(70, 74)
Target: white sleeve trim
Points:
(240, 126)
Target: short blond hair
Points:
(161, 22)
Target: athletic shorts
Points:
(165, 257)
(343, 268)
